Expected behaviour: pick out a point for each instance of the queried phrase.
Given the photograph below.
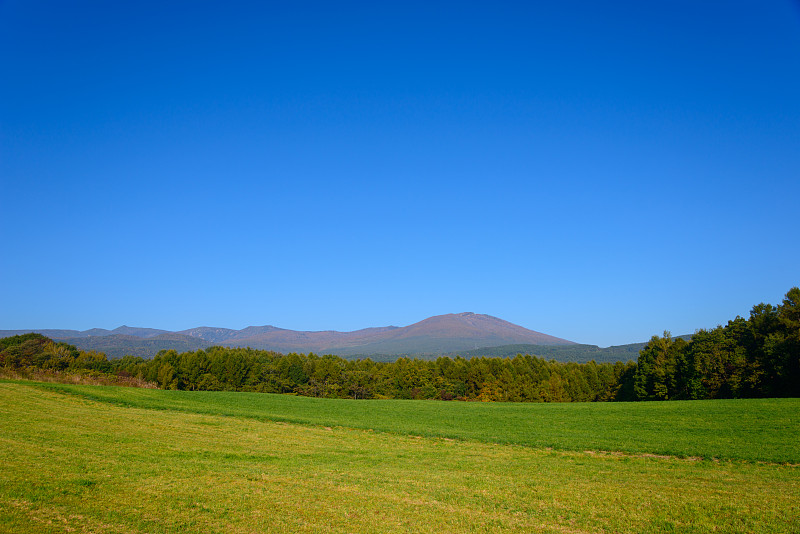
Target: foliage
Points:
(38, 357)
(37, 351)
(563, 353)
(520, 379)
(757, 357)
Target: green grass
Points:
(746, 429)
(74, 463)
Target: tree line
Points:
(522, 378)
(755, 357)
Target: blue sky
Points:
(599, 172)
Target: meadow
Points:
(108, 459)
(741, 429)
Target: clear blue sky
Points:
(598, 171)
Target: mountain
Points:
(448, 333)
(282, 340)
(117, 345)
(138, 332)
(53, 333)
(210, 334)
(437, 335)
(92, 332)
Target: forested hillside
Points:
(755, 357)
(577, 353)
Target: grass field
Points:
(751, 429)
(102, 459)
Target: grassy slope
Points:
(67, 462)
(752, 429)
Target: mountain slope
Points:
(210, 334)
(448, 333)
(298, 341)
(92, 332)
(117, 345)
(440, 334)
(138, 332)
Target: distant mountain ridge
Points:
(440, 334)
(96, 332)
